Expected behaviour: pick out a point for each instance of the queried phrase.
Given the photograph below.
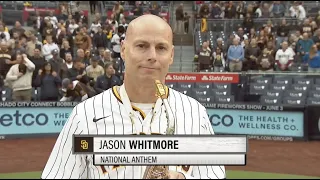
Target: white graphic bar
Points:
(170, 159)
(170, 144)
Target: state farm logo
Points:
(168, 77)
(205, 78)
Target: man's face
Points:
(15, 35)
(235, 41)
(68, 58)
(17, 24)
(284, 45)
(37, 52)
(4, 46)
(240, 31)
(305, 36)
(80, 54)
(253, 43)
(148, 51)
(49, 40)
(78, 65)
(107, 55)
(110, 70)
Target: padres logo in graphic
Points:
(84, 144)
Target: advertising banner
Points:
(38, 120)
(257, 122)
(203, 77)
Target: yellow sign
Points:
(84, 144)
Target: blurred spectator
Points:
(115, 42)
(4, 36)
(68, 62)
(38, 62)
(18, 49)
(284, 57)
(278, 9)
(155, 9)
(94, 27)
(82, 18)
(57, 64)
(306, 28)
(230, 10)
(301, 12)
(6, 60)
(271, 49)
(49, 82)
(32, 44)
(17, 28)
(294, 10)
(303, 46)
(248, 23)
(265, 61)
(93, 6)
(252, 34)
(107, 80)
(99, 39)
(15, 38)
(48, 30)
(215, 10)
(282, 33)
(137, 9)
(265, 10)
(77, 72)
(221, 46)
(65, 48)
(316, 38)
(72, 26)
(82, 40)
(117, 9)
(312, 59)
(203, 57)
(262, 39)
(94, 70)
(240, 10)
(48, 48)
(53, 19)
(235, 56)
(251, 56)
(241, 35)
(219, 62)
(76, 90)
(186, 23)
(106, 58)
(81, 56)
(19, 78)
(178, 28)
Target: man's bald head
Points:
(148, 21)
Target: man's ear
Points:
(122, 50)
(172, 55)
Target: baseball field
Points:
(25, 158)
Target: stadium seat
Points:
(315, 87)
(295, 94)
(221, 92)
(270, 100)
(224, 99)
(279, 87)
(221, 86)
(205, 99)
(256, 88)
(261, 80)
(303, 81)
(273, 93)
(203, 85)
(313, 101)
(314, 94)
(293, 101)
(201, 92)
(6, 94)
(282, 80)
(185, 85)
(299, 87)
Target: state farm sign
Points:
(203, 77)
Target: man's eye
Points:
(162, 48)
(140, 46)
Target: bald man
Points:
(148, 52)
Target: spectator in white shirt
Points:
(48, 48)
(53, 19)
(302, 12)
(115, 42)
(4, 36)
(73, 26)
(284, 57)
(94, 27)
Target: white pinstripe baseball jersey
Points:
(191, 118)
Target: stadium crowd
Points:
(63, 56)
(266, 48)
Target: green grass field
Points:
(230, 175)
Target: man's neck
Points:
(141, 92)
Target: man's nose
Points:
(152, 54)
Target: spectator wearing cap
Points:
(57, 63)
(94, 70)
(75, 90)
(235, 56)
(49, 82)
(19, 78)
(107, 80)
(99, 39)
(48, 48)
(77, 72)
(32, 44)
(38, 61)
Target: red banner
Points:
(203, 77)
